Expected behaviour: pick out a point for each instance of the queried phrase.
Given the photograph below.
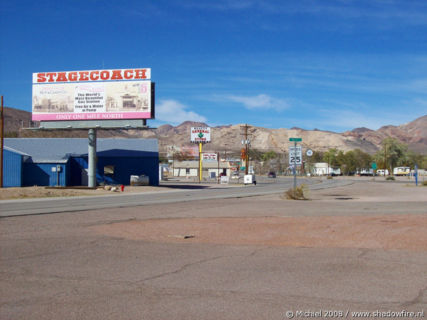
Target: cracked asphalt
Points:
(57, 267)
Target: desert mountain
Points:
(228, 137)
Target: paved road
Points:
(57, 267)
(180, 192)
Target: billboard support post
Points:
(92, 159)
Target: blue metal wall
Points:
(12, 169)
(41, 174)
(125, 162)
(126, 166)
(77, 165)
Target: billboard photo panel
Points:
(58, 100)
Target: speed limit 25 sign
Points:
(295, 155)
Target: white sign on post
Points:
(209, 156)
(200, 134)
(295, 155)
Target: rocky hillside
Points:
(414, 134)
(228, 138)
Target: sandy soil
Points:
(43, 192)
(379, 232)
(368, 229)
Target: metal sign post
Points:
(296, 158)
(200, 135)
(416, 175)
(200, 162)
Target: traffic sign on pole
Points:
(295, 155)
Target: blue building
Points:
(64, 161)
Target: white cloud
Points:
(174, 112)
(261, 101)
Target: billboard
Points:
(200, 134)
(93, 95)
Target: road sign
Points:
(295, 155)
(295, 139)
(309, 153)
(374, 165)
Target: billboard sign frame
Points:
(116, 94)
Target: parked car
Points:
(235, 175)
(367, 172)
(272, 174)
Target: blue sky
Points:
(326, 64)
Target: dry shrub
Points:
(298, 193)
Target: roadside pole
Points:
(200, 135)
(295, 166)
(217, 158)
(92, 159)
(416, 175)
(2, 143)
(296, 155)
(200, 162)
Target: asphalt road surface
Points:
(180, 192)
(61, 266)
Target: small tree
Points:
(392, 154)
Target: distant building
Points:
(64, 161)
(323, 169)
(210, 169)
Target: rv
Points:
(401, 171)
(382, 172)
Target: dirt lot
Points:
(274, 227)
(43, 192)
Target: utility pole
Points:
(225, 151)
(385, 159)
(217, 158)
(246, 142)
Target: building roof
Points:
(60, 149)
(192, 164)
(15, 151)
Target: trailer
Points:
(401, 171)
